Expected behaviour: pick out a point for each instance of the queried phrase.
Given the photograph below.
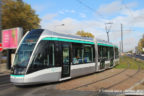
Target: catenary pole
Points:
(108, 29)
(122, 38)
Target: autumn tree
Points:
(85, 34)
(16, 13)
(141, 44)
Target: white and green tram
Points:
(45, 56)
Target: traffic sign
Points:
(1, 49)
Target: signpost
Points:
(1, 49)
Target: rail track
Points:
(115, 84)
(108, 77)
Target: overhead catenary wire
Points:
(125, 5)
(90, 8)
(103, 17)
(93, 10)
(131, 15)
(130, 12)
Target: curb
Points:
(136, 84)
(31, 93)
(3, 68)
(126, 92)
(4, 73)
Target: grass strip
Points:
(133, 63)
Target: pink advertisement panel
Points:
(10, 38)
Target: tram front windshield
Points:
(26, 47)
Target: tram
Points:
(44, 56)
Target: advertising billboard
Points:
(11, 38)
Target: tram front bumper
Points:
(17, 79)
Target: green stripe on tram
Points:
(75, 41)
(17, 75)
(105, 45)
(67, 40)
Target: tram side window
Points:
(77, 53)
(88, 53)
(82, 53)
(43, 56)
(116, 53)
(111, 52)
(100, 51)
(58, 53)
(66, 53)
(93, 47)
(105, 52)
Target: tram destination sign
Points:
(11, 37)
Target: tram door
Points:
(101, 53)
(66, 60)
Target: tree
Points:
(141, 44)
(16, 13)
(130, 51)
(85, 34)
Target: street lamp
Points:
(58, 25)
(108, 29)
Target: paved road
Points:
(8, 89)
(4, 82)
(137, 56)
(140, 57)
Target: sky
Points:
(92, 16)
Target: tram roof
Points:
(72, 36)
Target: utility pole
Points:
(121, 38)
(120, 50)
(108, 29)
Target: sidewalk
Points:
(3, 69)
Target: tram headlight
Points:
(21, 72)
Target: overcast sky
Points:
(91, 16)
